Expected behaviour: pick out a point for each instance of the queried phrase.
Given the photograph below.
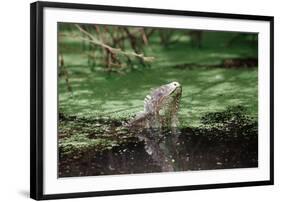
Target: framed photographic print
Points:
(135, 100)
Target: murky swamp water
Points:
(185, 149)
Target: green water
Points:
(100, 94)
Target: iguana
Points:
(160, 108)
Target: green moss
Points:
(79, 135)
(82, 143)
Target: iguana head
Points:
(160, 107)
(162, 98)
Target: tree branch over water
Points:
(112, 50)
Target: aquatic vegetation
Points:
(233, 117)
(224, 141)
(78, 135)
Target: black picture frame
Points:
(36, 98)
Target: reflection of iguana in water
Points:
(160, 108)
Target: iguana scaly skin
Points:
(160, 108)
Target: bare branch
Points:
(110, 49)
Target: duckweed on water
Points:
(78, 135)
(82, 134)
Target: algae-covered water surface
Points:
(105, 73)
